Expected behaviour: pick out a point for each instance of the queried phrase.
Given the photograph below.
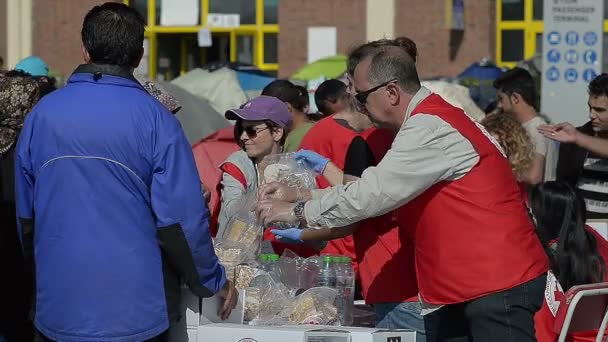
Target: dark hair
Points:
(599, 86)
(303, 96)
(113, 33)
(329, 92)
(361, 52)
(286, 92)
(238, 131)
(560, 214)
(518, 80)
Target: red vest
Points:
(473, 236)
(331, 140)
(386, 264)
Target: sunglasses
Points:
(362, 96)
(253, 132)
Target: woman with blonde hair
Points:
(513, 139)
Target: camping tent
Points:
(457, 96)
(220, 87)
(197, 117)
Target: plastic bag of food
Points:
(268, 298)
(314, 306)
(243, 228)
(285, 169)
(233, 253)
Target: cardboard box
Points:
(303, 333)
(211, 306)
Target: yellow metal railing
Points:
(257, 30)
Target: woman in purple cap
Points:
(260, 130)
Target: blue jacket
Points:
(110, 204)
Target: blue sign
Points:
(590, 38)
(553, 74)
(589, 75)
(571, 56)
(553, 56)
(571, 75)
(554, 37)
(571, 38)
(590, 57)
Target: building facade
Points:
(281, 36)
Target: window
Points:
(244, 8)
(244, 49)
(271, 11)
(173, 50)
(538, 8)
(513, 10)
(512, 45)
(271, 48)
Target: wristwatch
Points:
(298, 212)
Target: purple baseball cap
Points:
(262, 108)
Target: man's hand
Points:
(278, 191)
(231, 297)
(269, 211)
(562, 132)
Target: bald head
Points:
(393, 63)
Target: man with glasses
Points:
(478, 260)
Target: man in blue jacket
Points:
(110, 207)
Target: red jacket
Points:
(473, 236)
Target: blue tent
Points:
(481, 71)
(252, 81)
(479, 77)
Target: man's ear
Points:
(141, 55)
(516, 98)
(393, 93)
(85, 56)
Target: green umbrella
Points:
(330, 67)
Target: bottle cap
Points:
(273, 257)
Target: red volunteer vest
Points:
(386, 264)
(331, 140)
(473, 236)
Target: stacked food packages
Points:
(287, 290)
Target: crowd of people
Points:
(459, 230)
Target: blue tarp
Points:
(251, 81)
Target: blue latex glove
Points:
(289, 235)
(312, 160)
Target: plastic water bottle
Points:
(327, 273)
(264, 262)
(273, 267)
(348, 291)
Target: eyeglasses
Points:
(362, 96)
(253, 132)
